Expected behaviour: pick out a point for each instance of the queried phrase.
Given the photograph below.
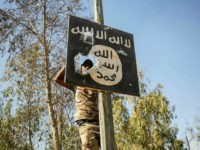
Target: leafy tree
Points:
(8, 137)
(120, 119)
(148, 123)
(65, 110)
(6, 134)
(32, 34)
(192, 136)
(198, 130)
(26, 117)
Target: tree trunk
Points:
(48, 85)
(29, 126)
(187, 143)
(50, 105)
(53, 123)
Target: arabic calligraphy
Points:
(101, 35)
(103, 53)
(106, 78)
(107, 65)
(120, 41)
(109, 70)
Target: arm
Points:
(59, 78)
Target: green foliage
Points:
(198, 130)
(147, 126)
(120, 119)
(6, 134)
(150, 121)
(8, 137)
(192, 136)
(33, 35)
(65, 109)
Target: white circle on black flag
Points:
(108, 69)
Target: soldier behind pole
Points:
(87, 114)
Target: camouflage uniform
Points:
(87, 117)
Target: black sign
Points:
(111, 52)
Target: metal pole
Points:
(98, 12)
(105, 105)
(106, 122)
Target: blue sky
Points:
(167, 45)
